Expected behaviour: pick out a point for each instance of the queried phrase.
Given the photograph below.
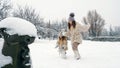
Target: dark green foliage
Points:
(17, 47)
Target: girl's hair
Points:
(73, 24)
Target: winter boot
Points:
(77, 55)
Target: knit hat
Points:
(71, 17)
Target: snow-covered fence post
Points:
(16, 41)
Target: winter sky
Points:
(59, 9)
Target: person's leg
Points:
(75, 50)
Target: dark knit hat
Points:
(71, 17)
(72, 14)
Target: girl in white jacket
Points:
(74, 32)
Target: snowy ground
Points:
(93, 55)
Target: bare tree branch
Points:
(97, 23)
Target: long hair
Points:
(73, 24)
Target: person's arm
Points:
(68, 33)
(84, 28)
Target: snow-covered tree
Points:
(55, 26)
(48, 33)
(58, 25)
(5, 7)
(96, 21)
(117, 31)
(105, 32)
(29, 14)
(114, 31)
(64, 24)
(111, 32)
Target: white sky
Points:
(59, 9)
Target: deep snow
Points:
(93, 55)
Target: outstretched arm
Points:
(84, 28)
